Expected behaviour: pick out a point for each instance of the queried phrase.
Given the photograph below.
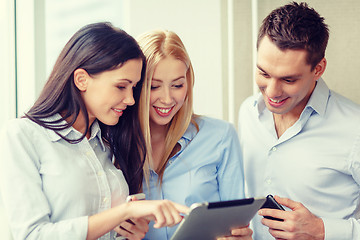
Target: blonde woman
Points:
(192, 158)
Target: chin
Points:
(161, 122)
(110, 122)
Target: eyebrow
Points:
(124, 79)
(176, 79)
(283, 77)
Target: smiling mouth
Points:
(118, 110)
(274, 100)
(164, 112)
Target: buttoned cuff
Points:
(336, 229)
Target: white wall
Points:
(198, 23)
(7, 83)
(7, 62)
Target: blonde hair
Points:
(157, 45)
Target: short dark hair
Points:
(297, 26)
(96, 48)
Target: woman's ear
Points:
(81, 79)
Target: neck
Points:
(158, 136)
(286, 120)
(158, 132)
(283, 122)
(80, 124)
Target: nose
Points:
(273, 88)
(129, 98)
(166, 96)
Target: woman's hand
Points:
(244, 233)
(133, 229)
(162, 212)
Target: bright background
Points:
(219, 35)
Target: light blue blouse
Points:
(49, 187)
(315, 162)
(208, 168)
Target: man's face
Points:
(284, 78)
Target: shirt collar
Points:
(259, 103)
(51, 133)
(96, 132)
(71, 132)
(190, 132)
(318, 99)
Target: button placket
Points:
(268, 176)
(104, 187)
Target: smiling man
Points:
(300, 140)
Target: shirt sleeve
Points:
(25, 203)
(349, 228)
(341, 229)
(230, 170)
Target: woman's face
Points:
(168, 90)
(107, 94)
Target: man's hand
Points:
(299, 224)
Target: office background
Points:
(220, 37)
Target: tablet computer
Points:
(216, 219)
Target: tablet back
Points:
(216, 219)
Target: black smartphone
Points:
(273, 204)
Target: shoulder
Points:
(249, 104)
(22, 128)
(249, 109)
(250, 101)
(215, 134)
(343, 108)
(211, 127)
(210, 123)
(346, 103)
(19, 125)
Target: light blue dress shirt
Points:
(49, 187)
(208, 168)
(315, 162)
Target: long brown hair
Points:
(95, 48)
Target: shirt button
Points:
(273, 149)
(181, 140)
(100, 173)
(105, 200)
(88, 153)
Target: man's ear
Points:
(81, 79)
(320, 68)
